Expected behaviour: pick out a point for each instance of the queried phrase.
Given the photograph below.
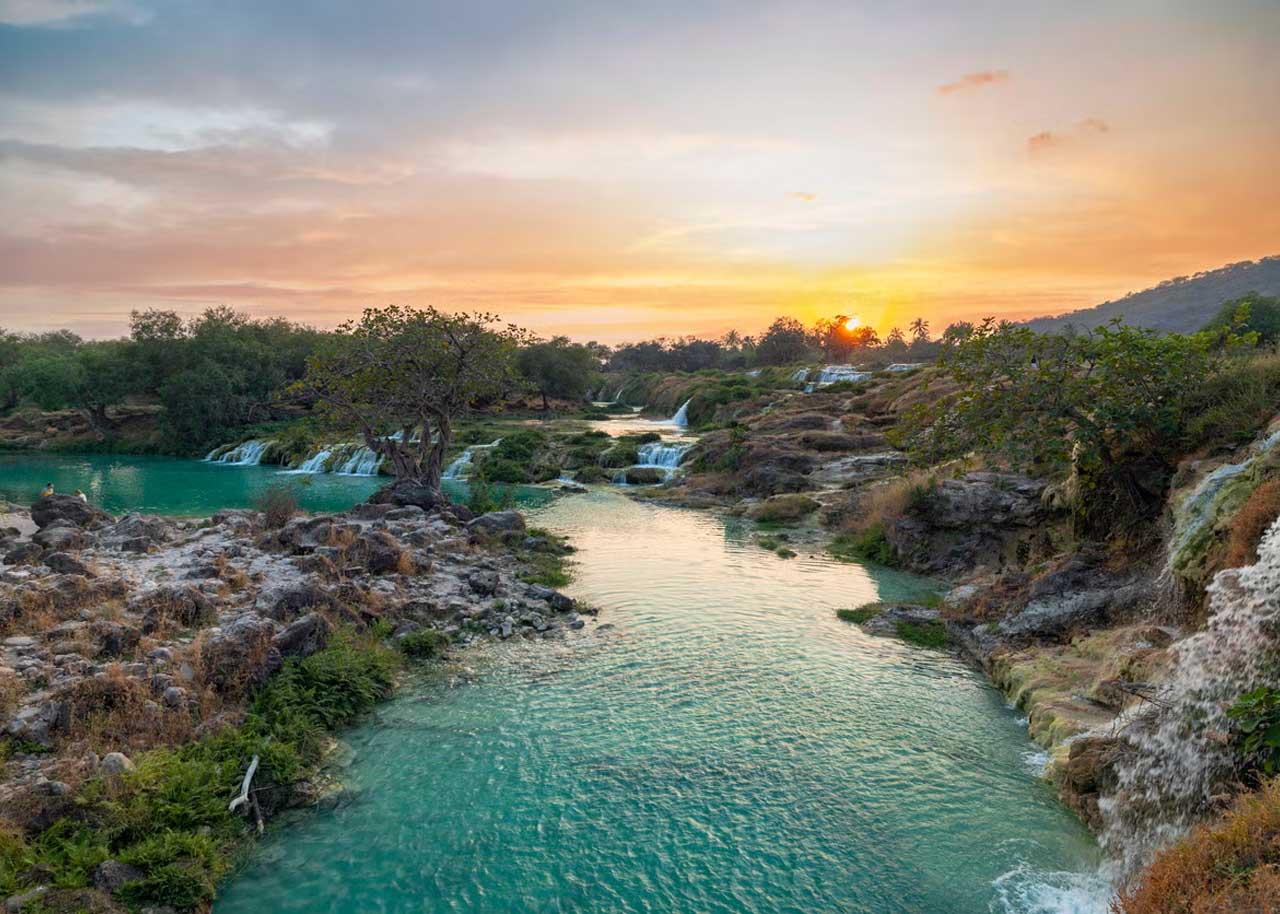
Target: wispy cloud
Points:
(54, 13)
(977, 80)
(1049, 139)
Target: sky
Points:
(615, 171)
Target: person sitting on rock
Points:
(80, 495)
(48, 490)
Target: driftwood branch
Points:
(244, 786)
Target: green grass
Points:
(169, 816)
(930, 634)
(870, 545)
(424, 644)
(860, 614)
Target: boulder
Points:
(644, 476)
(24, 554)
(303, 637)
(382, 553)
(183, 606)
(558, 601)
(114, 638)
(405, 492)
(497, 523)
(115, 763)
(62, 537)
(983, 500)
(63, 563)
(111, 875)
(137, 533)
(485, 583)
(1082, 594)
(241, 655)
(39, 722)
(70, 509)
(288, 601)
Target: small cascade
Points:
(316, 462)
(361, 462)
(461, 467)
(662, 455)
(800, 376)
(681, 418)
(905, 366)
(834, 374)
(1177, 753)
(246, 454)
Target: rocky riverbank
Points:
(123, 638)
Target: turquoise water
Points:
(728, 747)
(167, 485)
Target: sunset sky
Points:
(620, 170)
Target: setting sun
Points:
(852, 323)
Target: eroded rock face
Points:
(498, 523)
(1089, 773)
(1082, 594)
(963, 523)
(303, 637)
(61, 536)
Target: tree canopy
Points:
(558, 368)
(402, 376)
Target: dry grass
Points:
(883, 503)
(1230, 867)
(11, 691)
(1252, 520)
(115, 711)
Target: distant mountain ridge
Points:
(1182, 304)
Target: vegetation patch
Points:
(927, 634)
(861, 613)
(169, 816)
(784, 509)
(424, 644)
(870, 545)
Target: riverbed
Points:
(720, 742)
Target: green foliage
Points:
(860, 614)
(870, 545)
(1257, 722)
(413, 371)
(1112, 403)
(1251, 313)
(558, 368)
(927, 634)
(170, 817)
(521, 446)
(1235, 403)
(424, 644)
(786, 342)
(483, 496)
(784, 509)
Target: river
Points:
(725, 745)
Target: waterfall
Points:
(833, 374)
(245, 454)
(315, 463)
(1177, 752)
(362, 462)
(800, 376)
(664, 456)
(681, 418)
(461, 467)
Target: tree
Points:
(957, 333)
(1109, 403)
(919, 330)
(1251, 313)
(784, 343)
(557, 368)
(411, 372)
(895, 344)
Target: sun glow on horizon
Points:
(853, 323)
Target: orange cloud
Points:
(976, 80)
(1047, 139)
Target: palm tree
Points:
(919, 330)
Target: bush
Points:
(278, 505)
(927, 634)
(870, 545)
(423, 644)
(1223, 868)
(784, 509)
(1248, 525)
(1257, 724)
(860, 614)
(1233, 405)
(484, 497)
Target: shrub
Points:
(1234, 404)
(870, 545)
(1257, 722)
(926, 634)
(505, 470)
(520, 446)
(1248, 525)
(1227, 867)
(483, 496)
(278, 505)
(784, 509)
(423, 644)
(860, 614)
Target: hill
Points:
(1182, 304)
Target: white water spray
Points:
(681, 418)
(246, 454)
(1178, 756)
(461, 467)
